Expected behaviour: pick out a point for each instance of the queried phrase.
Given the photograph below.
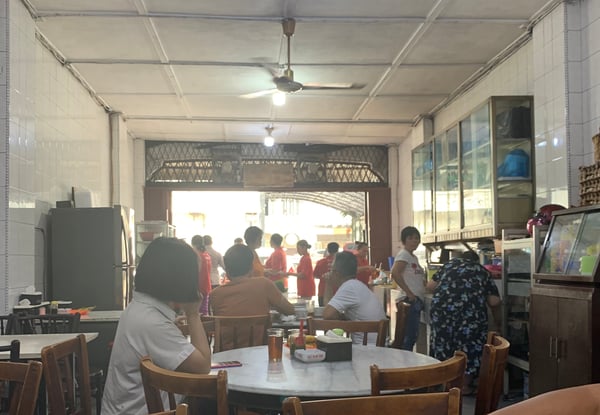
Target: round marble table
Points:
(260, 384)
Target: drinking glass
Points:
(275, 344)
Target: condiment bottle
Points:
(299, 341)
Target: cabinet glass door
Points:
(422, 193)
(558, 249)
(513, 138)
(447, 193)
(476, 172)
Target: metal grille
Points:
(207, 165)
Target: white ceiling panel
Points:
(222, 79)
(127, 79)
(312, 107)
(258, 8)
(394, 108)
(319, 129)
(99, 37)
(394, 131)
(505, 9)
(427, 79)
(145, 105)
(463, 42)
(82, 5)
(371, 8)
(220, 106)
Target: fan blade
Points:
(332, 86)
(259, 93)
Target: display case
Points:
(147, 231)
(446, 184)
(565, 304)
(422, 190)
(482, 166)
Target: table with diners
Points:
(263, 385)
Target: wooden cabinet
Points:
(564, 337)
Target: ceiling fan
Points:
(285, 82)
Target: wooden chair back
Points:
(401, 315)
(156, 379)
(352, 326)
(14, 348)
(234, 332)
(443, 403)
(491, 374)
(46, 324)
(67, 376)
(25, 379)
(7, 324)
(446, 375)
(182, 409)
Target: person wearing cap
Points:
(304, 272)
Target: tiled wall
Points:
(58, 137)
(551, 127)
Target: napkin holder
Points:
(336, 348)
(35, 298)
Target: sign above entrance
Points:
(269, 175)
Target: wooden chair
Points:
(182, 409)
(66, 371)
(443, 403)
(234, 332)
(46, 324)
(401, 315)
(60, 323)
(6, 324)
(156, 379)
(447, 374)
(352, 326)
(14, 349)
(26, 379)
(491, 374)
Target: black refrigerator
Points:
(92, 256)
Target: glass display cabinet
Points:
(147, 231)
(447, 190)
(565, 304)
(422, 190)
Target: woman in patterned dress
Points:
(459, 320)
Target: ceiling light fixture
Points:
(278, 98)
(269, 140)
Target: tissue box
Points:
(336, 348)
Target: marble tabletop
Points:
(32, 344)
(291, 377)
(108, 316)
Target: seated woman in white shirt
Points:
(166, 282)
(353, 300)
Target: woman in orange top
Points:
(304, 272)
(364, 270)
(276, 265)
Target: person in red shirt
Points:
(276, 265)
(323, 268)
(204, 266)
(304, 272)
(364, 269)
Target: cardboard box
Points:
(336, 348)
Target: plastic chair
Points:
(447, 403)
(25, 379)
(446, 375)
(66, 371)
(156, 379)
(491, 374)
(234, 332)
(352, 326)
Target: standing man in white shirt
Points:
(353, 300)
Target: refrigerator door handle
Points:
(551, 348)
